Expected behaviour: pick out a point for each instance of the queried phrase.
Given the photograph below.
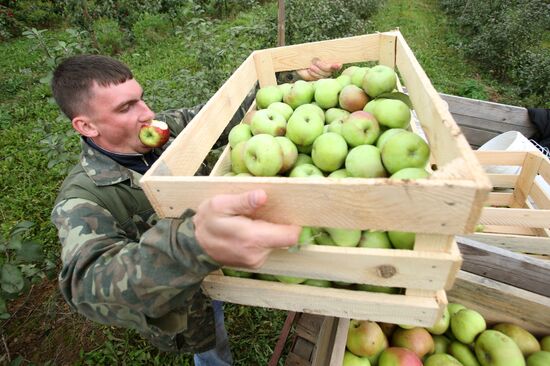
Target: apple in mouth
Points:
(154, 134)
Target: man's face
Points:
(118, 112)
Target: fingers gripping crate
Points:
(517, 216)
(448, 203)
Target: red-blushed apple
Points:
(402, 239)
(267, 95)
(375, 239)
(418, 340)
(247, 119)
(442, 360)
(344, 237)
(441, 343)
(392, 113)
(237, 158)
(305, 171)
(329, 151)
(303, 128)
(290, 153)
(467, 324)
(352, 360)
(405, 150)
(540, 358)
(326, 93)
(442, 324)
(154, 134)
(352, 98)
(379, 80)
(360, 128)
(365, 338)
(494, 348)
(263, 156)
(358, 76)
(300, 93)
(398, 356)
(239, 133)
(526, 342)
(333, 114)
(282, 108)
(340, 173)
(364, 161)
(269, 122)
(410, 173)
(462, 353)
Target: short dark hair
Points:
(74, 77)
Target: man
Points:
(121, 264)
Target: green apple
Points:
(305, 149)
(526, 342)
(545, 343)
(392, 113)
(494, 348)
(340, 173)
(441, 359)
(247, 119)
(306, 236)
(375, 288)
(303, 159)
(269, 122)
(379, 80)
(364, 161)
(350, 70)
(290, 279)
(442, 324)
(441, 343)
(386, 135)
(405, 150)
(263, 156)
(326, 93)
(540, 358)
(335, 126)
(285, 88)
(310, 108)
(402, 239)
(237, 158)
(267, 95)
(344, 80)
(317, 283)
(360, 128)
(369, 107)
(418, 340)
(454, 308)
(398, 356)
(322, 237)
(329, 151)
(236, 273)
(375, 239)
(243, 175)
(410, 173)
(229, 174)
(352, 360)
(282, 108)
(466, 324)
(305, 171)
(365, 338)
(344, 237)
(304, 128)
(463, 353)
(333, 114)
(290, 153)
(239, 133)
(358, 76)
(352, 98)
(300, 93)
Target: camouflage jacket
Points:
(123, 266)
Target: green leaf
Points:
(21, 227)
(11, 279)
(30, 251)
(397, 95)
(15, 243)
(3, 306)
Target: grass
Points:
(183, 70)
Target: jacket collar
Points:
(104, 171)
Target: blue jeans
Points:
(221, 354)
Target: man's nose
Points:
(147, 114)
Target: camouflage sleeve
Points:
(152, 285)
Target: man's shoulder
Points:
(77, 184)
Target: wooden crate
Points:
(520, 217)
(436, 209)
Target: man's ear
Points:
(85, 126)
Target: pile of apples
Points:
(352, 126)
(460, 338)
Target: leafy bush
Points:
(9, 25)
(151, 28)
(37, 13)
(110, 38)
(308, 21)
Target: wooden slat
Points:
(427, 268)
(505, 266)
(514, 230)
(499, 199)
(440, 206)
(419, 311)
(503, 180)
(522, 217)
(499, 302)
(264, 68)
(339, 346)
(387, 49)
(540, 197)
(487, 157)
(516, 243)
(545, 170)
(526, 179)
(488, 125)
(321, 354)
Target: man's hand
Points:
(230, 237)
(318, 70)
